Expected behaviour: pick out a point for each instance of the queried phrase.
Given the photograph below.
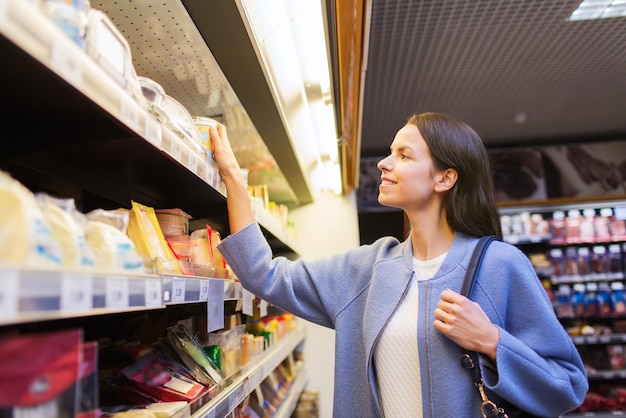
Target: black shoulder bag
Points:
(469, 359)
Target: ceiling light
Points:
(599, 9)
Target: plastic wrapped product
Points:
(193, 355)
(68, 228)
(145, 232)
(113, 250)
(160, 376)
(26, 238)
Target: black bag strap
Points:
(474, 264)
(469, 359)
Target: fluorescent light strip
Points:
(599, 9)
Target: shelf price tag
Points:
(247, 308)
(9, 293)
(116, 292)
(3, 13)
(76, 293)
(193, 163)
(153, 132)
(235, 398)
(204, 290)
(176, 149)
(215, 306)
(263, 308)
(178, 290)
(129, 113)
(154, 295)
(66, 62)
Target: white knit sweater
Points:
(396, 355)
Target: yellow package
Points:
(146, 234)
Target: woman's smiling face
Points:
(408, 173)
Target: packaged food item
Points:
(145, 232)
(153, 93)
(173, 221)
(113, 249)
(68, 228)
(572, 225)
(603, 298)
(158, 375)
(40, 374)
(578, 299)
(557, 228)
(564, 303)
(70, 16)
(194, 357)
(617, 298)
(26, 238)
(591, 302)
(203, 125)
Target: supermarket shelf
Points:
(237, 388)
(606, 375)
(288, 405)
(599, 339)
(32, 295)
(185, 289)
(107, 143)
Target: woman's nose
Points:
(383, 164)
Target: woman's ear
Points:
(446, 179)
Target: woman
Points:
(398, 318)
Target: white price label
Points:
(204, 290)
(193, 163)
(235, 398)
(215, 306)
(154, 295)
(177, 149)
(178, 290)
(116, 292)
(263, 308)
(247, 308)
(130, 114)
(66, 62)
(9, 292)
(76, 293)
(153, 132)
(3, 13)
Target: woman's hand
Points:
(465, 323)
(240, 212)
(223, 154)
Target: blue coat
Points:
(356, 293)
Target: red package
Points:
(39, 373)
(159, 376)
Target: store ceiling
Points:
(518, 72)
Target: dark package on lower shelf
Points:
(159, 376)
(39, 374)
